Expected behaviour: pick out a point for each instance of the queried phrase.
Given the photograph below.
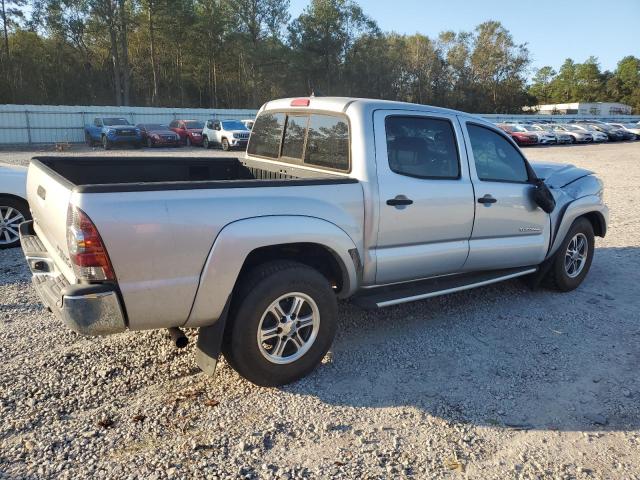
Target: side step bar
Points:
(385, 296)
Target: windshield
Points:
(155, 126)
(115, 121)
(233, 125)
(194, 125)
(518, 128)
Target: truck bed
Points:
(130, 174)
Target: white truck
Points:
(381, 202)
(228, 134)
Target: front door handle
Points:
(399, 201)
(487, 199)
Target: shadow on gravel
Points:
(500, 355)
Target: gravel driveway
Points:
(492, 383)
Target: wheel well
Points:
(15, 198)
(314, 255)
(598, 223)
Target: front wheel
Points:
(282, 323)
(205, 143)
(106, 144)
(88, 140)
(149, 142)
(573, 259)
(187, 141)
(12, 213)
(225, 144)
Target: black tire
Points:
(8, 237)
(88, 140)
(106, 144)
(225, 145)
(187, 141)
(259, 289)
(205, 143)
(149, 142)
(558, 278)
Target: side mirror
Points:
(542, 196)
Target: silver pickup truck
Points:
(381, 202)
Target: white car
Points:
(226, 133)
(544, 137)
(561, 137)
(14, 208)
(597, 135)
(248, 123)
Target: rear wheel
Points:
(573, 259)
(282, 323)
(88, 140)
(12, 213)
(225, 144)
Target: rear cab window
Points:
(310, 139)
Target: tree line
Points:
(241, 53)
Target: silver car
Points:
(598, 136)
(380, 202)
(578, 135)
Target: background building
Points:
(582, 108)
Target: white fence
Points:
(31, 124)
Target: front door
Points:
(425, 193)
(509, 230)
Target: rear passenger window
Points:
(495, 157)
(294, 133)
(422, 147)
(266, 135)
(327, 142)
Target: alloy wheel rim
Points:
(575, 257)
(288, 328)
(10, 219)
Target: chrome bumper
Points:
(89, 309)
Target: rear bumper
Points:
(89, 309)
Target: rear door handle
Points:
(399, 201)
(487, 199)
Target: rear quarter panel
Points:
(158, 241)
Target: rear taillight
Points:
(86, 249)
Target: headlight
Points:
(235, 135)
(155, 136)
(111, 133)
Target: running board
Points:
(386, 296)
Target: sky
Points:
(553, 29)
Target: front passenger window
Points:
(495, 157)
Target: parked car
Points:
(577, 135)
(633, 128)
(613, 134)
(248, 123)
(382, 202)
(14, 208)
(190, 131)
(110, 131)
(561, 137)
(226, 133)
(597, 135)
(544, 137)
(156, 134)
(519, 134)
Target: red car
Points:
(190, 131)
(155, 134)
(520, 135)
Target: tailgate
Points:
(49, 194)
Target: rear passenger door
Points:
(509, 230)
(425, 194)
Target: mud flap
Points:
(209, 346)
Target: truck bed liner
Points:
(128, 174)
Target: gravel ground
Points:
(494, 383)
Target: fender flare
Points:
(238, 239)
(591, 204)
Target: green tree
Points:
(541, 85)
